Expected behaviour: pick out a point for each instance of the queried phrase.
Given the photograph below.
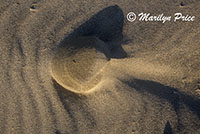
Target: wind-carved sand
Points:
(154, 90)
(77, 63)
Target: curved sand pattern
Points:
(150, 91)
(77, 63)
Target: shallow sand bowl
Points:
(77, 63)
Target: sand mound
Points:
(76, 64)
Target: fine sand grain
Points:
(150, 85)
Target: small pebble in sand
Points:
(34, 7)
(182, 4)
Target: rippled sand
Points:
(150, 85)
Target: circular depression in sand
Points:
(77, 63)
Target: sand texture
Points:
(150, 83)
(77, 63)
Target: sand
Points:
(150, 84)
(77, 63)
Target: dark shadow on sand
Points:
(172, 95)
(168, 128)
(107, 25)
